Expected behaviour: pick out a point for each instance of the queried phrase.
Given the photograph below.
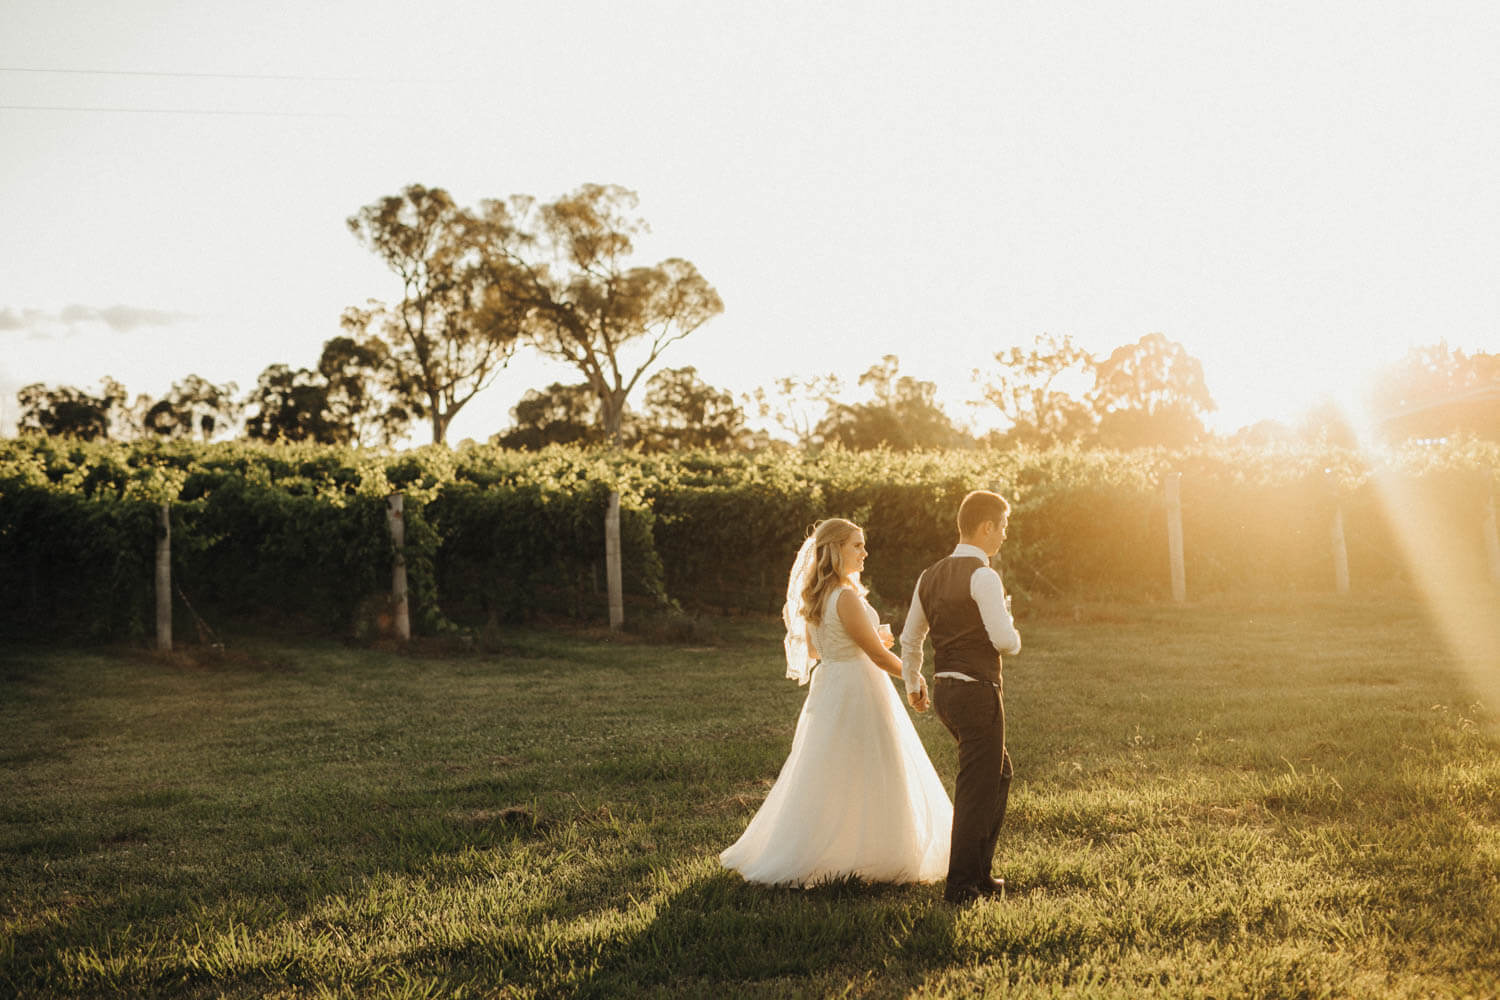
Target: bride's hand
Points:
(918, 699)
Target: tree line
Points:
(557, 278)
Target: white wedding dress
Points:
(858, 794)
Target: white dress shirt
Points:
(988, 592)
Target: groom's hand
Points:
(918, 699)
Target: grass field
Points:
(1278, 800)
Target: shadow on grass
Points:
(119, 907)
(1432, 879)
(718, 931)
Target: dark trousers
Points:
(974, 713)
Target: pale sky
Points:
(1295, 191)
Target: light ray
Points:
(1437, 517)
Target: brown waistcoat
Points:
(959, 642)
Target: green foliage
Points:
(297, 531)
(76, 568)
(264, 550)
(512, 549)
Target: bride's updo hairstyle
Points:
(826, 574)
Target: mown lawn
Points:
(1280, 800)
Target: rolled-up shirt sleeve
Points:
(912, 635)
(989, 593)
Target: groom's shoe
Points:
(960, 895)
(991, 887)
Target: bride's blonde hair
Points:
(826, 574)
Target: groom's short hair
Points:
(979, 507)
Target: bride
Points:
(857, 795)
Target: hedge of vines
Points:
(295, 534)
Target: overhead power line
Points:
(214, 76)
(172, 111)
(110, 109)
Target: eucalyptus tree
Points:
(902, 415)
(70, 412)
(453, 329)
(566, 266)
(347, 399)
(1151, 392)
(194, 406)
(798, 404)
(558, 414)
(367, 397)
(290, 404)
(684, 411)
(1029, 390)
(1435, 391)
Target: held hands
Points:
(919, 699)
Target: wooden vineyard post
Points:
(1340, 553)
(1340, 548)
(612, 561)
(394, 505)
(164, 580)
(1174, 536)
(1491, 535)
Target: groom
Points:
(962, 602)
